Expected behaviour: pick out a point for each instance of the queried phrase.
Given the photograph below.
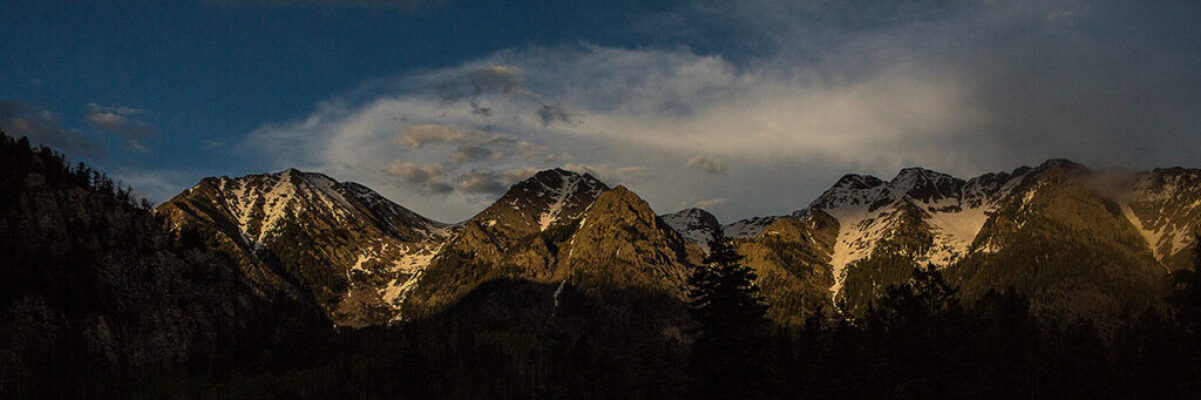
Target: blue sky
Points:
(745, 107)
(215, 70)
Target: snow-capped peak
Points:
(549, 197)
(695, 225)
(260, 203)
(925, 185)
(870, 210)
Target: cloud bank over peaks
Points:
(635, 117)
(963, 88)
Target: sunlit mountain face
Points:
(638, 200)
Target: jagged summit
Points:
(925, 185)
(561, 226)
(353, 249)
(621, 240)
(695, 225)
(557, 179)
(599, 238)
(259, 201)
(944, 212)
(1064, 164)
(858, 182)
(932, 217)
(850, 190)
(549, 198)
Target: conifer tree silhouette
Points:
(727, 357)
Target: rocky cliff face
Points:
(621, 242)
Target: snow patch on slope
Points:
(954, 233)
(859, 230)
(868, 211)
(560, 195)
(1152, 237)
(694, 225)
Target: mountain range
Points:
(295, 284)
(1080, 243)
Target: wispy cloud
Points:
(494, 182)
(708, 203)
(120, 121)
(613, 175)
(421, 135)
(466, 154)
(155, 185)
(432, 177)
(45, 127)
(707, 164)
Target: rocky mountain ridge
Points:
(860, 234)
(548, 229)
(353, 249)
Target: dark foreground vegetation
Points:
(195, 331)
(918, 342)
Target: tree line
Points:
(920, 341)
(18, 158)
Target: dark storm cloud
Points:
(1111, 81)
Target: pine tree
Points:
(914, 333)
(1186, 299)
(926, 298)
(728, 355)
(1187, 296)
